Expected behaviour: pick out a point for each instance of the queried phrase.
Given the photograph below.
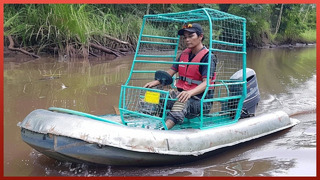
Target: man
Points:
(192, 78)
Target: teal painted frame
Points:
(203, 14)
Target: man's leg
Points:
(170, 123)
(176, 114)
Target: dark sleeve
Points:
(203, 69)
(175, 66)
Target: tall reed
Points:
(68, 27)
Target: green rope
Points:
(82, 114)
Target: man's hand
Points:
(184, 96)
(152, 84)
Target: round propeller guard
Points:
(163, 77)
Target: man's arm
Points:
(156, 82)
(185, 95)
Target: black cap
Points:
(194, 27)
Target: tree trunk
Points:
(148, 8)
(279, 20)
(12, 48)
(117, 40)
(104, 49)
(224, 7)
(306, 15)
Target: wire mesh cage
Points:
(159, 46)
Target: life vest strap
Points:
(190, 81)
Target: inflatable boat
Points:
(80, 139)
(138, 135)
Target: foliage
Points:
(257, 16)
(308, 36)
(67, 26)
(70, 27)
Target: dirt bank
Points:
(106, 57)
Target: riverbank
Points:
(18, 56)
(293, 45)
(15, 56)
(107, 30)
(289, 83)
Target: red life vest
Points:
(189, 75)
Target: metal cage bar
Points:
(227, 41)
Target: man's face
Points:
(192, 39)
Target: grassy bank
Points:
(68, 29)
(82, 30)
(309, 36)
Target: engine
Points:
(253, 95)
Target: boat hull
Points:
(78, 151)
(79, 139)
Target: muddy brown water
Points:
(286, 79)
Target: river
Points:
(286, 79)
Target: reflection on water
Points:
(296, 99)
(286, 79)
(72, 84)
(278, 70)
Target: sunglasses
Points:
(187, 26)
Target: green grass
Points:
(71, 27)
(68, 27)
(309, 36)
